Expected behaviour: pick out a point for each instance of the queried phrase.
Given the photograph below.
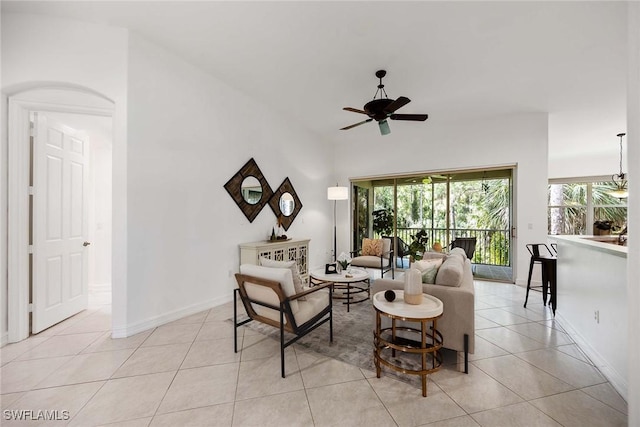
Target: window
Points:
(576, 207)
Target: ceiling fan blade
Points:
(355, 110)
(415, 117)
(400, 102)
(356, 124)
(384, 127)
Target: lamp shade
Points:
(337, 193)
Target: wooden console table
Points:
(286, 250)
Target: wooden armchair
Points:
(382, 259)
(269, 297)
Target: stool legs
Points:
(529, 281)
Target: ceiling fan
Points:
(382, 109)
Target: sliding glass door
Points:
(442, 207)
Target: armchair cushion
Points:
(313, 304)
(260, 293)
(292, 265)
(366, 261)
(372, 247)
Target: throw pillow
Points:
(429, 275)
(428, 269)
(372, 247)
(297, 280)
(425, 264)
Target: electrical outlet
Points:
(230, 273)
(596, 316)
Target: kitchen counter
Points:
(592, 301)
(607, 244)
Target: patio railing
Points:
(492, 246)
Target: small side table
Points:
(430, 339)
(346, 282)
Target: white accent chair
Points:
(268, 296)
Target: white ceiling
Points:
(455, 60)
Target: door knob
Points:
(86, 243)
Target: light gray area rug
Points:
(353, 341)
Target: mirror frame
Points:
(234, 188)
(274, 202)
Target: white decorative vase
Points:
(413, 287)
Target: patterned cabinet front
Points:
(291, 250)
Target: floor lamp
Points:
(336, 193)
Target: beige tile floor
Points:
(526, 371)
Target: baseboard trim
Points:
(618, 381)
(4, 339)
(154, 322)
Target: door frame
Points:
(18, 133)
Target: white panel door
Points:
(60, 222)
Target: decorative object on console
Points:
(277, 232)
(336, 193)
(620, 179)
(384, 108)
(249, 189)
(285, 203)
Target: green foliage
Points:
(568, 206)
(499, 249)
(476, 204)
(383, 221)
(419, 244)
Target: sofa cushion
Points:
(292, 265)
(451, 271)
(371, 247)
(458, 251)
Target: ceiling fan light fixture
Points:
(384, 127)
(620, 179)
(383, 108)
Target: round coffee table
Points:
(430, 339)
(350, 284)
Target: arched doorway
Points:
(29, 107)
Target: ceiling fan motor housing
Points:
(376, 108)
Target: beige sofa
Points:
(454, 287)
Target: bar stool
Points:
(541, 254)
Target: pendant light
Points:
(620, 179)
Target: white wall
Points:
(188, 134)
(633, 261)
(593, 279)
(100, 222)
(176, 229)
(514, 139)
(39, 51)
